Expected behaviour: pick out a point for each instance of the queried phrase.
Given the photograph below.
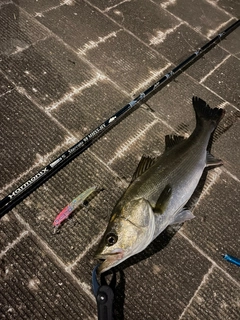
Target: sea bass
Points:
(159, 191)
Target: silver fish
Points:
(159, 191)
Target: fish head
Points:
(130, 230)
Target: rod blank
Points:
(20, 193)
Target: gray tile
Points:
(206, 64)
(47, 71)
(173, 104)
(184, 38)
(123, 135)
(38, 7)
(34, 280)
(150, 20)
(231, 42)
(11, 229)
(27, 134)
(105, 5)
(17, 30)
(216, 222)
(5, 85)
(151, 143)
(231, 6)
(79, 25)
(218, 298)
(225, 81)
(205, 20)
(91, 107)
(120, 58)
(226, 143)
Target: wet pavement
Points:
(66, 66)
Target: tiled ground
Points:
(65, 67)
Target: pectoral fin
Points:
(183, 216)
(163, 200)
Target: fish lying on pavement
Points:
(159, 191)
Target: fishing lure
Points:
(65, 213)
(232, 259)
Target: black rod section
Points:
(20, 193)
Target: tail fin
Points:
(205, 114)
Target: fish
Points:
(159, 190)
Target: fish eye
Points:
(111, 238)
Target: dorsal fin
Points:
(172, 140)
(144, 164)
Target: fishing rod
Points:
(21, 192)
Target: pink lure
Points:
(65, 213)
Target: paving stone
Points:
(81, 26)
(231, 6)
(217, 222)
(180, 115)
(149, 285)
(151, 23)
(123, 135)
(10, 230)
(105, 5)
(41, 208)
(17, 29)
(150, 143)
(27, 134)
(226, 145)
(48, 62)
(38, 7)
(217, 298)
(221, 81)
(91, 107)
(184, 38)
(5, 85)
(208, 18)
(206, 65)
(231, 43)
(34, 280)
(120, 56)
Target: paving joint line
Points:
(55, 258)
(14, 242)
(231, 175)
(75, 91)
(92, 243)
(124, 148)
(23, 91)
(41, 161)
(204, 280)
(196, 247)
(115, 6)
(94, 44)
(214, 69)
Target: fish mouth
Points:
(110, 259)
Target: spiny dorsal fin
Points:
(144, 164)
(172, 140)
